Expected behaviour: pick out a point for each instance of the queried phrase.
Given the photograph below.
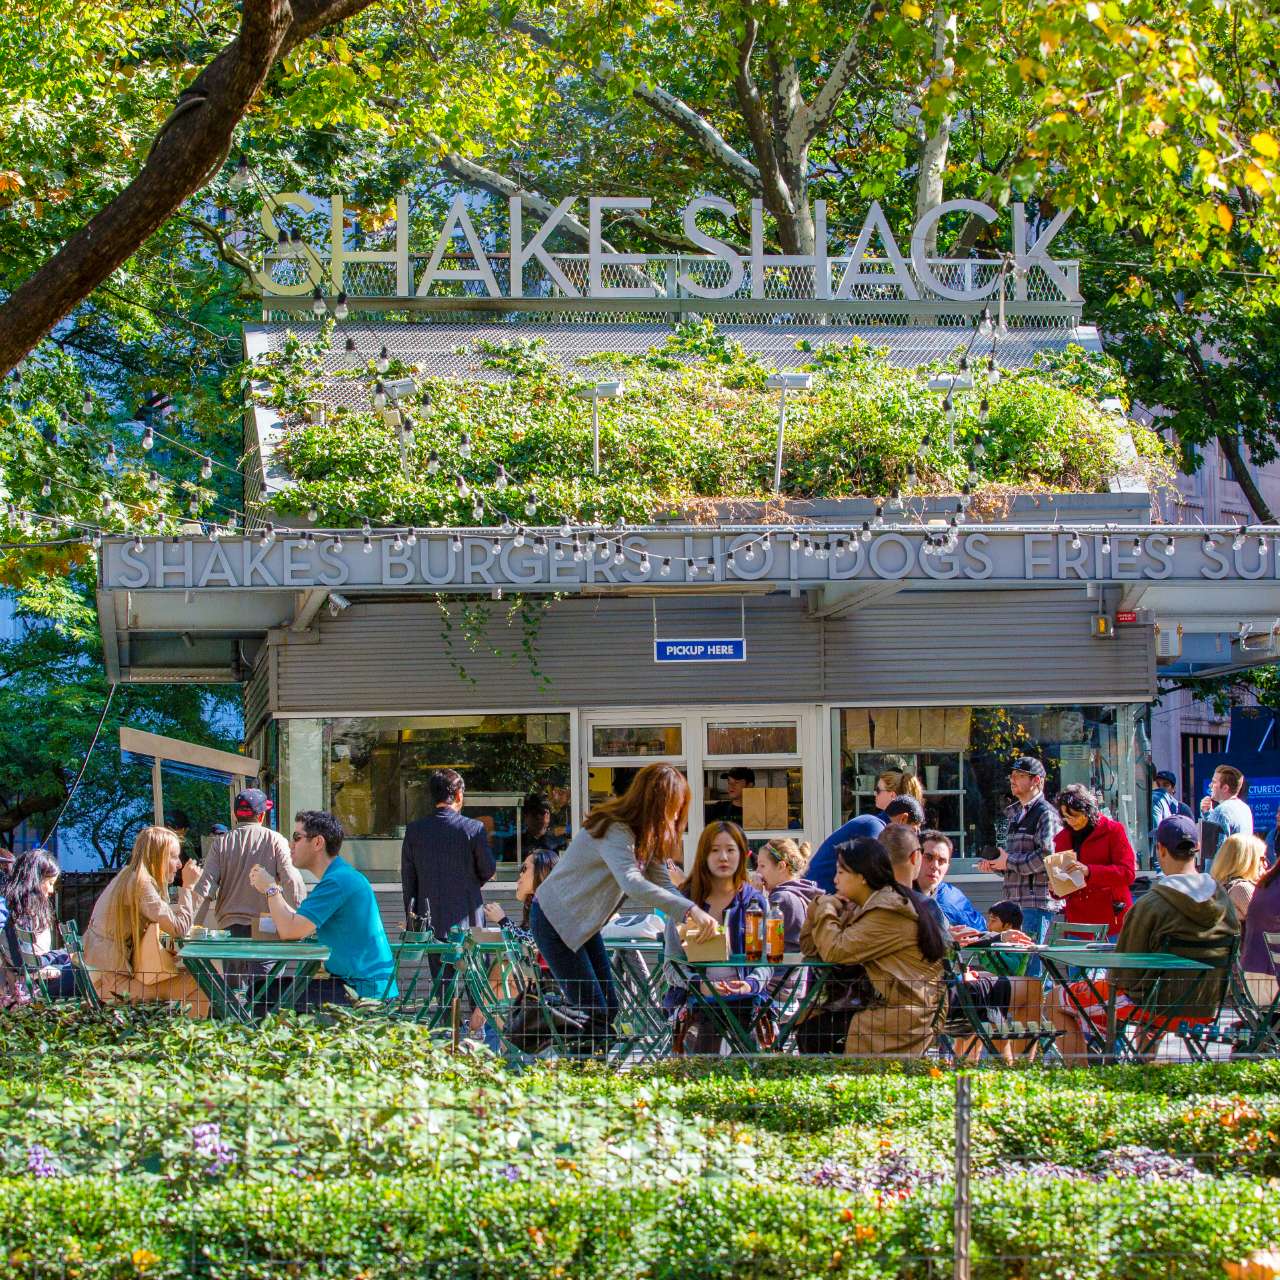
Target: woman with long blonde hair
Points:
(621, 851)
(115, 941)
(1237, 867)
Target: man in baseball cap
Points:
(736, 781)
(1185, 913)
(235, 903)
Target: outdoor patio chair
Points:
(1199, 1034)
(1064, 933)
(970, 1025)
(1257, 1029)
(427, 976)
(70, 931)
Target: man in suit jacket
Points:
(444, 860)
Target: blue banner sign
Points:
(733, 650)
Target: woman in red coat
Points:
(1102, 846)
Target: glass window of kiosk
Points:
(961, 757)
(753, 776)
(377, 771)
(619, 751)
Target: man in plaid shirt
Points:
(1033, 823)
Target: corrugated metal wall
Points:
(924, 648)
(257, 693)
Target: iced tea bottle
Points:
(753, 944)
(775, 935)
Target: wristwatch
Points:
(272, 890)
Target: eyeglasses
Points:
(296, 836)
(881, 789)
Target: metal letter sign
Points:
(731, 650)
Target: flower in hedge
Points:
(41, 1162)
(510, 1172)
(206, 1141)
(144, 1258)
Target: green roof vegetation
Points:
(695, 423)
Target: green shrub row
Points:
(368, 1228)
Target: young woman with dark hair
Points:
(718, 884)
(620, 852)
(892, 932)
(29, 893)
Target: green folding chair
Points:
(32, 969)
(70, 931)
(425, 992)
(1064, 933)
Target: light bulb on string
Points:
(367, 544)
(112, 460)
(500, 481)
(433, 463)
(496, 547)
(148, 439)
(1208, 544)
(455, 544)
(665, 569)
(947, 405)
(1106, 544)
(206, 469)
(46, 489)
(578, 553)
(985, 326)
(350, 345)
(1169, 546)
(379, 395)
(308, 539)
(464, 489)
(506, 524)
(398, 542)
(1263, 545)
(86, 407)
(464, 446)
(565, 531)
(317, 302)
(268, 534)
(365, 527)
(240, 176)
(518, 540)
(865, 533)
(340, 309)
(923, 450)
(1137, 546)
(1237, 542)
(137, 545)
(540, 545)
(984, 409)
(412, 537)
(477, 512)
(384, 360)
(153, 480)
(531, 508)
(194, 505)
(619, 556)
(313, 514)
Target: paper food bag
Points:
(1066, 874)
(717, 948)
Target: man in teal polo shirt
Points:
(340, 911)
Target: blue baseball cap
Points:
(1178, 834)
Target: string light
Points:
(384, 360)
(148, 439)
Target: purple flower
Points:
(207, 1143)
(510, 1172)
(41, 1162)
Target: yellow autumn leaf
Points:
(1049, 40)
(1059, 117)
(10, 181)
(1206, 160)
(1265, 145)
(1171, 158)
(144, 1258)
(1256, 180)
(911, 10)
(1026, 68)
(1226, 219)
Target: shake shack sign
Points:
(873, 258)
(470, 562)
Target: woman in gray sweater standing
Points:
(618, 853)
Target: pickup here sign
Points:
(732, 650)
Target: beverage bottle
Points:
(753, 944)
(775, 931)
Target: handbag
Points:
(154, 964)
(848, 990)
(539, 1015)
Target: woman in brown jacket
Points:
(894, 933)
(136, 899)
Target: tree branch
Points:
(670, 108)
(190, 146)
(227, 252)
(817, 117)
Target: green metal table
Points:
(642, 1026)
(245, 999)
(721, 1007)
(1091, 961)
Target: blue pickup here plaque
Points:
(732, 650)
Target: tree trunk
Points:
(933, 153)
(191, 144)
(1229, 443)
